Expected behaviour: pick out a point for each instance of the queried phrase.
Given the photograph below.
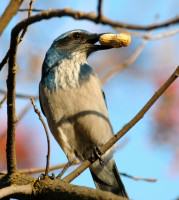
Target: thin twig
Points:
(38, 170)
(5, 59)
(137, 178)
(149, 36)
(132, 58)
(47, 136)
(3, 100)
(28, 15)
(61, 166)
(9, 12)
(19, 117)
(99, 9)
(20, 96)
(127, 127)
(32, 10)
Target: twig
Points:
(39, 170)
(149, 36)
(15, 189)
(25, 28)
(126, 63)
(8, 14)
(32, 10)
(127, 127)
(60, 166)
(47, 135)
(20, 96)
(99, 9)
(106, 21)
(136, 178)
(5, 59)
(19, 117)
(3, 100)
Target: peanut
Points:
(115, 40)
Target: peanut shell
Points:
(115, 40)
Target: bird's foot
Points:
(97, 154)
(43, 176)
(52, 176)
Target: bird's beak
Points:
(93, 39)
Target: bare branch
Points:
(126, 128)
(3, 100)
(20, 96)
(106, 21)
(11, 110)
(25, 28)
(47, 135)
(19, 117)
(4, 60)
(137, 178)
(39, 170)
(32, 10)
(8, 14)
(24, 186)
(61, 166)
(149, 36)
(15, 189)
(126, 63)
(99, 9)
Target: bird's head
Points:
(80, 41)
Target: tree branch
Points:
(106, 21)
(131, 59)
(99, 9)
(21, 96)
(137, 178)
(60, 166)
(8, 14)
(4, 60)
(3, 100)
(28, 188)
(126, 128)
(47, 135)
(16, 189)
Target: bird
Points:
(73, 102)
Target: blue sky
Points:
(125, 93)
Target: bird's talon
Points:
(52, 176)
(41, 177)
(98, 154)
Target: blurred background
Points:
(130, 76)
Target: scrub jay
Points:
(72, 100)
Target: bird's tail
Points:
(106, 177)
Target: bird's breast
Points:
(68, 74)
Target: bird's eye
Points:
(76, 36)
